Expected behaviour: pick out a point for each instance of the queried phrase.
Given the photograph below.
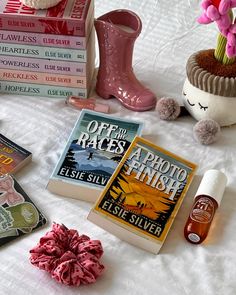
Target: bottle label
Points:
(203, 210)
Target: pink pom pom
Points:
(69, 258)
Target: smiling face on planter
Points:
(204, 105)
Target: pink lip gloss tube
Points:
(90, 104)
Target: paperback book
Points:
(42, 90)
(43, 78)
(143, 196)
(69, 17)
(18, 214)
(12, 156)
(92, 153)
(52, 40)
(35, 51)
(46, 66)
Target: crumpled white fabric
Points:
(42, 125)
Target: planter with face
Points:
(210, 93)
(209, 90)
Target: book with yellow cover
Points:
(142, 198)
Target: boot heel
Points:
(103, 93)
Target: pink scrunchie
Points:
(69, 258)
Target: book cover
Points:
(35, 51)
(45, 65)
(43, 78)
(92, 153)
(42, 90)
(12, 156)
(52, 40)
(55, 54)
(69, 17)
(144, 194)
(18, 214)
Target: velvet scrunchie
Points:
(69, 258)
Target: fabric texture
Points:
(170, 34)
(69, 258)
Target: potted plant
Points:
(209, 90)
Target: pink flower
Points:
(231, 45)
(69, 258)
(219, 11)
(224, 6)
(230, 50)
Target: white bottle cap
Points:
(213, 184)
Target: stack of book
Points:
(47, 52)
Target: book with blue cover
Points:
(94, 149)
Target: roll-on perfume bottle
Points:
(206, 202)
(89, 103)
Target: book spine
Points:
(43, 65)
(43, 78)
(29, 38)
(42, 25)
(41, 90)
(42, 52)
(15, 17)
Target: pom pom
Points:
(168, 108)
(206, 131)
(69, 258)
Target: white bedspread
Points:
(42, 125)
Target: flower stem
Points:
(220, 48)
(220, 53)
(227, 60)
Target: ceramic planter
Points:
(207, 95)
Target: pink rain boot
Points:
(117, 32)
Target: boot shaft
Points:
(117, 32)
